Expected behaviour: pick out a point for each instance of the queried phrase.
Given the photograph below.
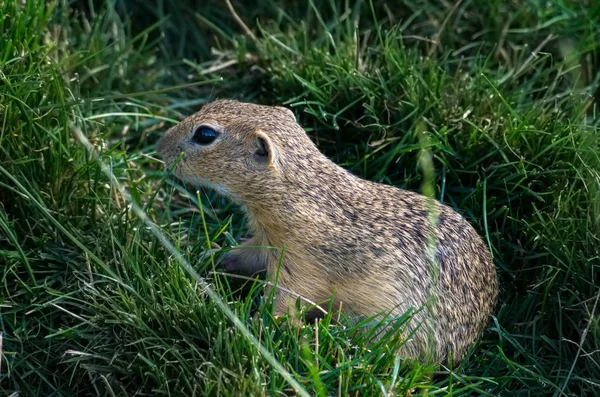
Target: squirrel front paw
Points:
(239, 261)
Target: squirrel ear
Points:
(264, 152)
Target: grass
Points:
(502, 95)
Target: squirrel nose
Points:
(163, 144)
(160, 146)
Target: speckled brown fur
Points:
(366, 241)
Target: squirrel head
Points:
(239, 149)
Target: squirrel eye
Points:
(204, 135)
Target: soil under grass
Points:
(501, 95)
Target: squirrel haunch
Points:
(379, 248)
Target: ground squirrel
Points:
(365, 241)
